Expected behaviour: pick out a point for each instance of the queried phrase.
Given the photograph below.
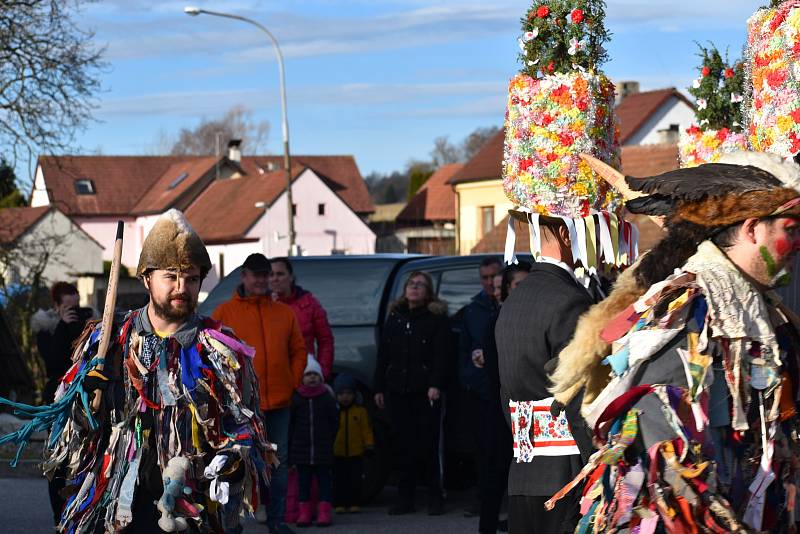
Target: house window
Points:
(181, 177)
(487, 220)
(84, 187)
(320, 209)
(294, 210)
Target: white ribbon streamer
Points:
(510, 256)
(605, 239)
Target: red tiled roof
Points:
(340, 172)
(119, 181)
(226, 210)
(435, 200)
(485, 165)
(128, 185)
(495, 240)
(634, 110)
(16, 221)
(160, 196)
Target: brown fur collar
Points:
(730, 209)
(579, 363)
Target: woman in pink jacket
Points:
(310, 313)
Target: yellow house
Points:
(480, 201)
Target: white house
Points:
(654, 117)
(220, 197)
(30, 236)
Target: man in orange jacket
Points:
(272, 328)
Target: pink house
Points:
(237, 204)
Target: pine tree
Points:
(718, 91)
(563, 36)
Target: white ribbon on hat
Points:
(535, 235)
(510, 256)
(605, 239)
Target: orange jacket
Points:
(272, 329)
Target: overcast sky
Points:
(379, 79)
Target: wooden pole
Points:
(108, 309)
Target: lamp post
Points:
(287, 160)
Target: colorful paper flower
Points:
(729, 73)
(702, 103)
(575, 46)
(528, 36)
(549, 121)
(576, 16)
(736, 98)
(705, 72)
(542, 12)
(697, 146)
(773, 41)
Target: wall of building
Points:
(104, 231)
(673, 111)
(71, 251)
(340, 228)
(39, 196)
(470, 198)
(224, 259)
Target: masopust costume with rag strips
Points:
(689, 374)
(165, 399)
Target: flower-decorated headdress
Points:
(561, 105)
(773, 87)
(718, 94)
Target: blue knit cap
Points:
(344, 381)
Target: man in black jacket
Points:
(536, 322)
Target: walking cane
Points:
(108, 310)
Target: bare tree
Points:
(475, 141)
(49, 72)
(237, 123)
(444, 152)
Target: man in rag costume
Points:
(177, 442)
(689, 370)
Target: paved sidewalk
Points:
(24, 509)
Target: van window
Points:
(349, 290)
(458, 286)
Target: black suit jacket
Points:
(536, 322)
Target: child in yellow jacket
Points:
(353, 440)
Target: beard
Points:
(165, 309)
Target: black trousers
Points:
(416, 427)
(497, 456)
(348, 474)
(527, 515)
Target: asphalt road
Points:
(24, 509)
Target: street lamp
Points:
(287, 160)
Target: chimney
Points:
(669, 135)
(626, 88)
(235, 150)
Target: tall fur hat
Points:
(173, 244)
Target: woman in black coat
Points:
(410, 373)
